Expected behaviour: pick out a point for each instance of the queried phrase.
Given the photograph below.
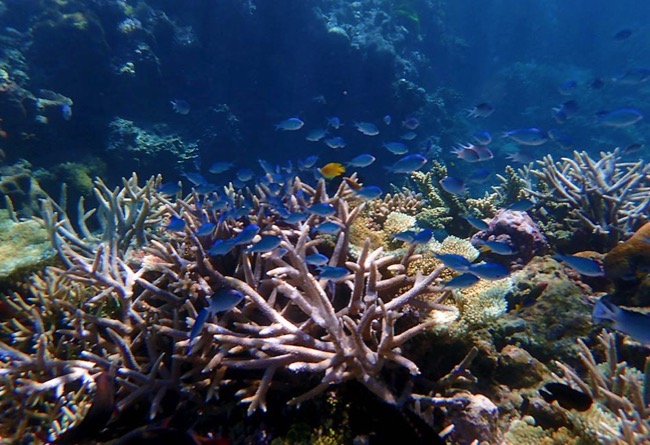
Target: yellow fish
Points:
(332, 170)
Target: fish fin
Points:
(199, 322)
(605, 311)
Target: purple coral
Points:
(519, 231)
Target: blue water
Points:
(244, 66)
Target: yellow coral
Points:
(398, 222)
(483, 302)
(459, 246)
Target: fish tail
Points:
(604, 310)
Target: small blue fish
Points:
(334, 122)
(387, 119)
(221, 247)
(66, 111)
(527, 136)
(175, 224)
(454, 261)
(408, 136)
(406, 236)
(205, 189)
(266, 244)
(180, 106)
(498, 247)
(408, 164)
(308, 162)
(267, 166)
(634, 324)
(246, 235)
(245, 174)
(462, 281)
(222, 301)
(316, 135)
(479, 176)
(397, 148)
(361, 161)
(621, 117)
(367, 128)
(489, 271)
(316, 259)
(422, 237)
(328, 227)
(584, 266)
(296, 217)
(322, 209)
(291, 124)
(369, 192)
(205, 229)
(220, 167)
(169, 188)
(522, 205)
(411, 123)
(332, 273)
(482, 137)
(483, 109)
(477, 223)
(335, 142)
(195, 178)
(453, 185)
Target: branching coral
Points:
(130, 292)
(622, 412)
(606, 196)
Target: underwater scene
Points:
(294, 222)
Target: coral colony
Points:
(158, 293)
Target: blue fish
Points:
(308, 162)
(169, 188)
(489, 271)
(361, 161)
(334, 122)
(406, 236)
(482, 137)
(461, 281)
(66, 111)
(221, 247)
(523, 205)
(246, 235)
(195, 178)
(453, 185)
(205, 229)
(498, 247)
(266, 244)
(584, 266)
(180, 106)
(408, 164)
(175, 224)
(332, 273)
(266, 166)
(369, 192)
(205, 189)
(408, 136)
(335, 142)
(367, 128)
(222, 301)
(411, 123)
(220, 167)
(621, 117)
(397, 148)
(245, 174)
(479, 176)
(387, 119)
(296, 217)
(477, 223)
(291, 124)
(454, 261)
(316, 259)
(484, 109)
(322, 209)
(634, 324)
(316, 135)
(527, 136)
(422, 237)
(328, 227)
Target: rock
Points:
(477, 421)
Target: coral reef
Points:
(607, 197)
(130, 292)
(519, 231)
(628, 266)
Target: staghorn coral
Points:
(621, 412)
(405, 201)
(129, 293)
(513, 186)
(607, 197)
